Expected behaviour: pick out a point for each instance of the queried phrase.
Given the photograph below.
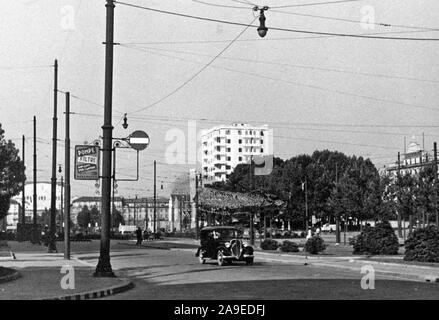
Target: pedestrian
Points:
(139, 236)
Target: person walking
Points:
(139, 236)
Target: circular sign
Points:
(138, 140)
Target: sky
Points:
(359, 96)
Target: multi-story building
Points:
(411, 161)
(44, 190)
(224, 147)
(135, 211)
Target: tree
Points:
(84, 217)
(117, 218)
(11, 173)
(95, 216)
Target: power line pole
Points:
(252, 227)
(399, 190)
(155, 197)
(306, 205)
(51, 248)
(435, 179)
(23, 197)
(35, 236)
(197, 227)
(62, 203)
(67, 182)
(337, 217)
(103, 268)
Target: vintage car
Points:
(223, 244)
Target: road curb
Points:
(95, 294)
(10, 277)
(392, 264)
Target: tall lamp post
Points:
(103, 268)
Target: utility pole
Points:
(399, 190)
(135, 211)
(23, 197)
(35, 236)
(436, 184)
(51, 248)
(155, 197)
(67, 182)
(62, 203)
(337, 217)
(197, 228)
(103, 268)
(252, 227)
(306, 204)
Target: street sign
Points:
(138, 140)
(86, 162)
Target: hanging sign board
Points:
(86, 162)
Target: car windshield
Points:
(222, 234)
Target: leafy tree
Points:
(11, 173)
(44, 219)
(95, 216)
(117, 219)
(84, 217)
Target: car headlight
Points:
(227, 244)
(244, 244)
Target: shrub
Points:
(289, 246)
(314, 245)
(302, 234)
(380, 239)
(287, 234)
(278, 235)
(269, 244)
(423, 245)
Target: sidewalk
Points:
(40, 278)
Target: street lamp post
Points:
(103, 268)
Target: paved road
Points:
(176, 274)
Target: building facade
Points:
(224, 147)
(135, 211)
(412, 160)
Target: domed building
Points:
(413, 160)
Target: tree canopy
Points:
(11, 173)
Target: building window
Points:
(240, 158)
(262, 133)
(227, 131)
(240, 141)
(229, 149)
(262, 150)
(229, 158)
(218, 148)
(239, 132)
(218, 157)
(228, 167)
(262, 141)
(240, 150)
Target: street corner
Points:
(67, 282)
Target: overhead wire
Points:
(295, 83)
(295, 65)
(277, 28)
(205, 66)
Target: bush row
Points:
(313, 245)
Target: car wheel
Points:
(201, 259)
(249, 261)
(220, 258)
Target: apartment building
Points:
(224, 147)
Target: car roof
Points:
(218, 228)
